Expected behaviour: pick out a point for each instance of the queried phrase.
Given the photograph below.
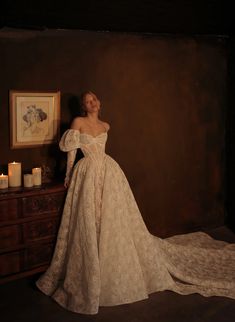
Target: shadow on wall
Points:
(70, 108)
(73, 105)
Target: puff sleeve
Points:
(70, 140)
(69, 143)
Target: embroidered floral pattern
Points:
(104, 253)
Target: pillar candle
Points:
(3, 181)
(37, 176)
(14, 173)
(28, 180)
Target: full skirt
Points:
(105, 255)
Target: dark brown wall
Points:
(164, 98)
(230, 139)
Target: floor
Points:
(20, 301)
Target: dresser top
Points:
(20, 192)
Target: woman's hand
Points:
(66, 183)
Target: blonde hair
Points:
(82, 98)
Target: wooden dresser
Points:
(29, 221)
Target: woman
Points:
(104, 253)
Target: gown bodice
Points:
(93, 147)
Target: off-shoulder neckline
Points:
(84, 133)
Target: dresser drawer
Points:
(40, 229)
(8, 209)
(37, 205)
(10, 236)
(39, 255)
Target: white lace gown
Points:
(105, 255)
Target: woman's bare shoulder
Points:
(77, 123)
(106, 125)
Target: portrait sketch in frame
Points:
(34, 118)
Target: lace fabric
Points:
(71, 155)
(104, 253)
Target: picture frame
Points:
(34, 118)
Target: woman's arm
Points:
(71, 155)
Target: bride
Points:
(104, 254)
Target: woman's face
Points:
(91, 103)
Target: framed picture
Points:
(34, 118)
